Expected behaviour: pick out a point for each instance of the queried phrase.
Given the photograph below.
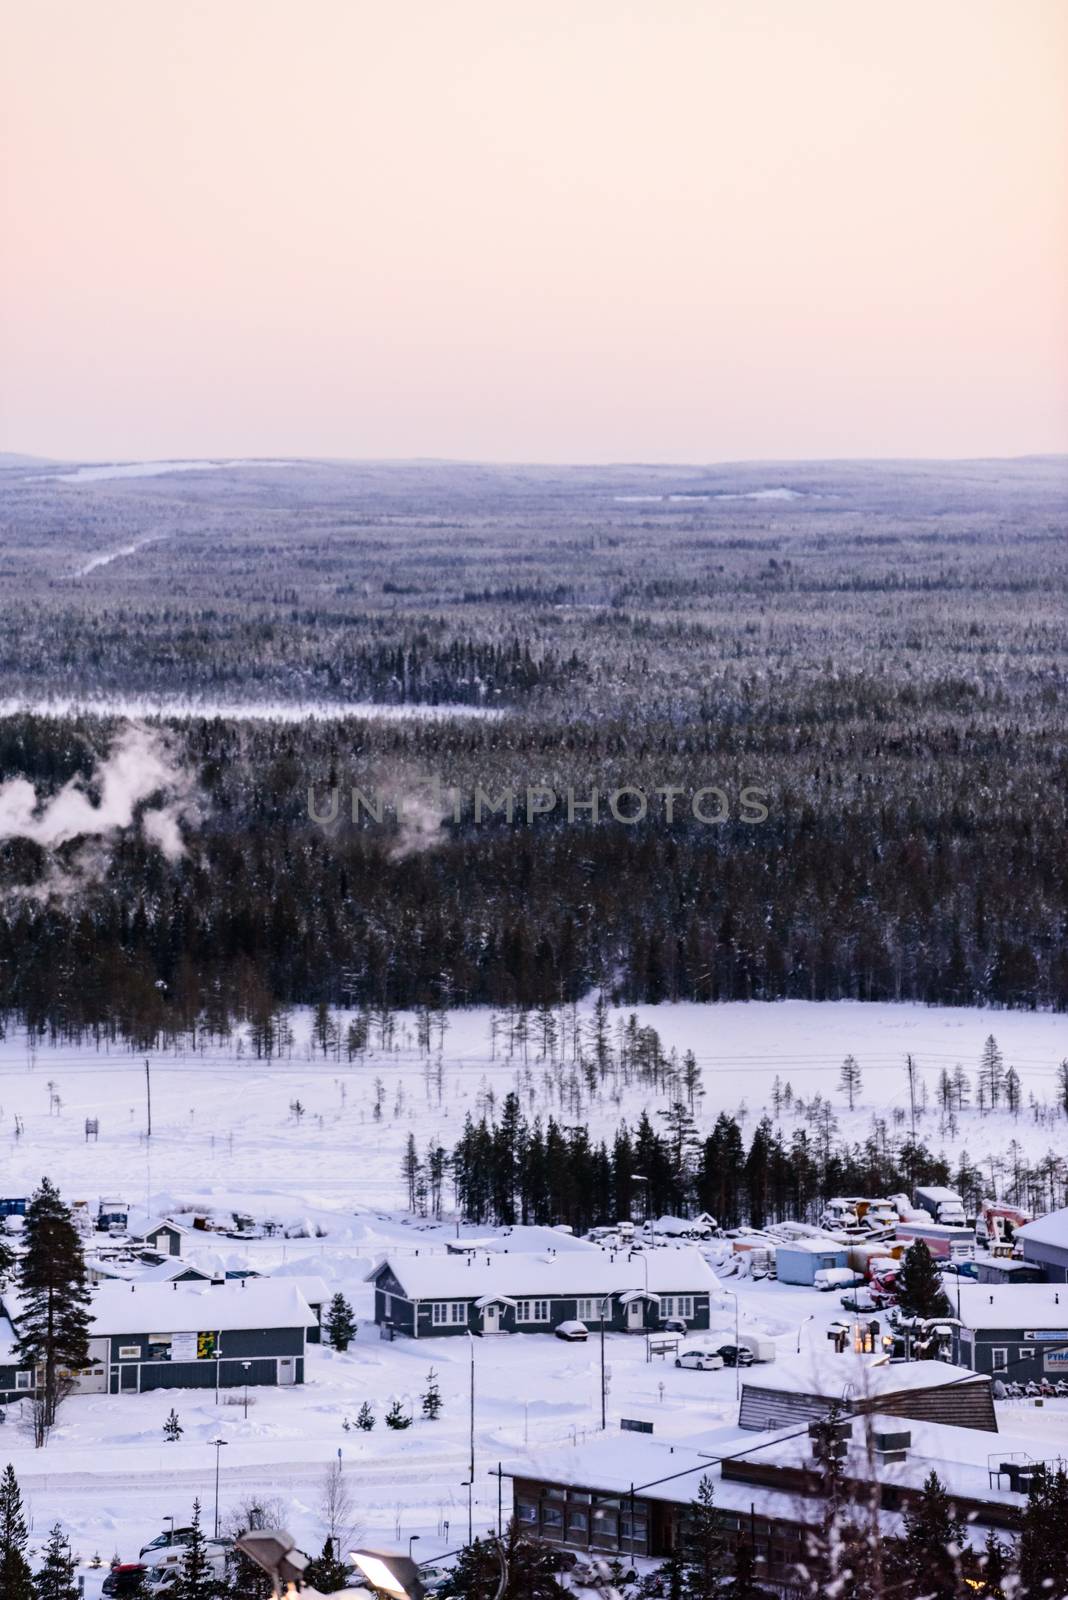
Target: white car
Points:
(700, 1360)
(575, 1331)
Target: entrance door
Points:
(635, 1316)
(491, 1319)
(287, 1370)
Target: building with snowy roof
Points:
(1014, 1331)
(191, 1336)
(1045, 1244)
(634, 1291)
(807, 1388)
(627, 1494)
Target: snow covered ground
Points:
(225, 1135)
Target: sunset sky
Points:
(554, 230)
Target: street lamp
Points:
(469, 1485)
(801, 1329)
(606, 1301)
(218, 1443)
(246, 1366)
(389, 1574)
(737, 1347)
(413, 1538)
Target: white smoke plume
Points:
(141, 763)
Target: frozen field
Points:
(225, 1133)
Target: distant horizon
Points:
(233, 458)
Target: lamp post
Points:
(605, 1303)
(413, 1538)
(218, 1443)
(469, 1485)
(801, 1329)
(737, 1348)
(471, 1452)
(246, 1366)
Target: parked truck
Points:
(943, 1205)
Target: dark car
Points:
(735, 1355)
(124, 1579)
(162, 1540)
(674, 1325)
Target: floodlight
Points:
(392, 1575)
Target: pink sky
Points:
(534, 229)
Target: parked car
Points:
(700, 1360)
(575, 1331)
(735, 1355)
(593, 1574)
(829, 1278)
(125, 1579)
(859, 1300)
(674, 1325)
(173, 1536)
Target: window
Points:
(129, 1352)
(552, 1517)
(577, 1521)
(532, 1311)
(448, 1313)
(676, 1305)
(526, 1511)
(387, 1305)
(1001, 1360)
(160, 1347)
(24, 1380)
(591, 1310)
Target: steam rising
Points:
(141, 765)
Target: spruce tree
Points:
(925, 1560)
(326, 1573)
(53, 1319)
(196, 1575)
(1044, 1536)
(365, 1418)
(478, 1570)
(340, 1326)
(16, 1580)
(397, 1417)
(432, 1397)
(919, 1284)
(55, 1581)
(704, 1553)
(172, 1428)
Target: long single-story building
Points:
(1045, 1245)
(191, 1336)
(629, 1495)
(633, 1291)
(1014, 1331)
(807, 1388)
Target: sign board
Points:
(1056, 1358)
(634, 1425)
(183, 1347)
(1058, 1335)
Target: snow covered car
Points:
(829, 1278)
(700, 1360)
(575, 1331)
(859, 1300)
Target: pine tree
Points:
(397, 1417)
(995, 1567)
(54, 1321)
(432, 1397)
(925, 1561)
(365, 1418)
(478, 1570)
(849, 1080)
(340, 1325)
(196, 1575)
(172, 1428)
(919, 1284)
(55, 1581)
(1044, 1536)
(326, 1573)
(991, 1073)
(16, 1580)
(704, 1554)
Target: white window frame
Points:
(129, 1352)
(387, 1304)
(25, 1380)
(677, 1305)
(532, 1311)
(589, 1308)
(448, 1313)
(999, 1359)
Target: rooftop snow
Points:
(572, 1273)
(1013, 1305)
(118, 1308)
(1051, 1229)
(826, 1373)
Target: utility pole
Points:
(148, 1093)
(604, 1400)
(471, 1460)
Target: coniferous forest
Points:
(877, 652)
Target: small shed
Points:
(1045, 1245)
(800, 1261)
